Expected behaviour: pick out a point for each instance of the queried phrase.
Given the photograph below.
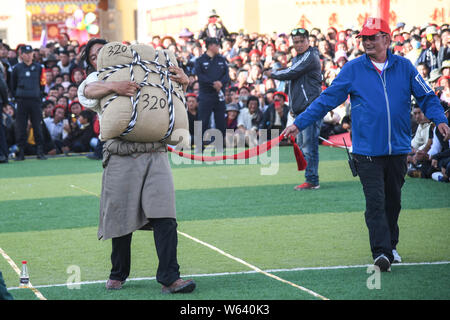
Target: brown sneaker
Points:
(179, 286)
(114, 284)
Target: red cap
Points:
(24, 262)
(373, 26)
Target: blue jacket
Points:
(380, 104)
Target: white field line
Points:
(219, 274)
(315, 294)
(17, 270)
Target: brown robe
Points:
(137, 185)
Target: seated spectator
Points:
(47, 108)
(424, 70)
(249, 120)
(192, 112)
(72, 93)
(232, 112)
(418, 162)
(30, 146)
(8, 121)
(276, 114)
(444, 88)
(77, 76)
(72, 115)
(244, 93)
(55, 126)
(80, 138)
(439, 153)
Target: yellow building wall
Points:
(127, 9)
(267, 16)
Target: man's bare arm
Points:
(99, 89)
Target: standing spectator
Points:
(5, 66)
(27, 88)
(380, 86)
(3, 101)
(214, 28)
(305, 85)
(213, 76)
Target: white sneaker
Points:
(397, 258)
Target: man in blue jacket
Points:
(211, 69)
(380, 86)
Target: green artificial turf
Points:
(49, 215)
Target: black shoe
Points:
(3, 159)
(93, 156)
(20, 156)
(40, 154)
(383, 263)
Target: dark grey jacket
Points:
(305, 80)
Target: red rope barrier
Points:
(249, 153)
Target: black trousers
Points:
(3, 144)
(166, 241)
(207, 105)
(29, 108)
(382, 179)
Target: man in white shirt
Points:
(55, 125)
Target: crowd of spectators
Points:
(254, 100)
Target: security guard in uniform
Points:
(27, 89)
(211, 69)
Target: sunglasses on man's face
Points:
(298, 31)
(371, 38)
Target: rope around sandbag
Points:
(162, 71)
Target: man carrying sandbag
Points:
(137, 186)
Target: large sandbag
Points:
(150, 119)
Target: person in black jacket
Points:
(27, 89)
(276, 114)
(305, 85)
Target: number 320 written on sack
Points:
(153, 102)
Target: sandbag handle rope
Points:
(137, 61)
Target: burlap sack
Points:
(152, 121)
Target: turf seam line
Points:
(199, 275)
(17, 270)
